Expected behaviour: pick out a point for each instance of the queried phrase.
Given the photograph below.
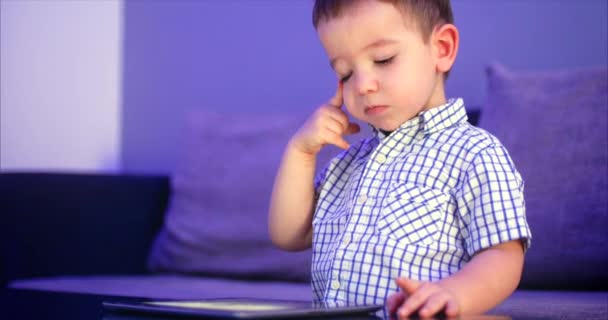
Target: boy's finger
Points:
(413, 303)
(433, 306)
(352, 128)
(408, 285)
(417, 299)
(339, 117)
(394, 301)
(338, 141)
(452, 309)
(336, 100)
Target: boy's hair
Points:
(426, 13)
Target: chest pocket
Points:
(412, 214)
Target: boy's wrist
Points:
(296, 150)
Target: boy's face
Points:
(388, 72)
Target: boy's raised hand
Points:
(327, 125)
(427, 298)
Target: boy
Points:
(427, 215)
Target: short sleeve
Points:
(326, 160)
(491, 201)
(319, 179)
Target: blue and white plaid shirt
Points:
(418, 203)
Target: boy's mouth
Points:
(375, 110)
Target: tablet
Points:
(238, 308)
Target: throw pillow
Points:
(554, 124)
(217, 218)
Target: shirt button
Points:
(381, 158)
(335, 284)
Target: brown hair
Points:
(427, 13)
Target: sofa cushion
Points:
(217, 218)
(521, 305)
(554, 125)
(550, 305)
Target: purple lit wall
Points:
(232, 56)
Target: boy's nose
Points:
(366, 84)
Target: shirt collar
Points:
(432, 120)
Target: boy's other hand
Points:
(428, 299)
(327, 125)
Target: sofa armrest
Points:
(67, 223)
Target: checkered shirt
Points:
(418, 203)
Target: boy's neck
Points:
(386, 133)
(438, 97)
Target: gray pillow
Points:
(554, 125)
(216, 223)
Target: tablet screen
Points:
(222, 305)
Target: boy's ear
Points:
(445, 42)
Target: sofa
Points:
(200, 232)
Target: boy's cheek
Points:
(349, 101)
(346, 100)
(349, 109)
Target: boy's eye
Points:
(345, 78)
(378, 62)
(384, 61)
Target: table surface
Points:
(39, 305)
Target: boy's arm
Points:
(489, 278)
(293, 197)
(292, 202)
